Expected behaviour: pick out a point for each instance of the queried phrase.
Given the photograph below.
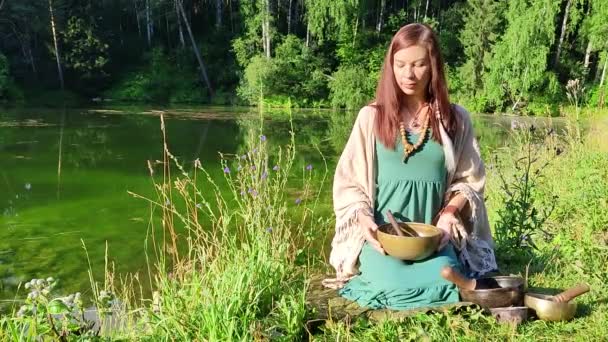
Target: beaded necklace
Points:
(408, 148)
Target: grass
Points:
(240, 270)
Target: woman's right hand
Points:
(370, 231)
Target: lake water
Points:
(64, 177)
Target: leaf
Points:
(57, 306)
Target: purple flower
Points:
(255, 150)
(226, 169)
(298, 200)
(276, 168)
(262, 137)
(249, 190)
(309, 167)
(269, 230)
(253, 167)
(242, 192)
(254, 193)
(264, 175)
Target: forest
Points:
(501, 56)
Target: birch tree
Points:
(56, 44)
(519, 59)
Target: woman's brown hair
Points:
(389, 96)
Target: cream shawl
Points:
(354, 192)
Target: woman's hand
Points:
(445, 223)
(370, 229)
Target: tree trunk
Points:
(231, 19)
(266, 28)
(381, 16)
(137, 17)
(308, 34)
(218, 14)
(148, 23)
(426, 8)
(57, 55)
(562, 34)
(604, 69)
(195, 48)
(289, 17)
(179, 26)
(587, 56)
(167, 28)
(31, 59)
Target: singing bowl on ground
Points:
(511, 314)
(407, 247)
(548, 310)
(510, 292)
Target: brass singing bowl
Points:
(511, 314)
(549, 310)
(408, 247)
(508, 292)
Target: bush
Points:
(293, 72)
(521, 218)
(161, 80)
(350, 87)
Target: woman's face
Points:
(412, 70)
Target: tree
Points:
(596, 28)
(478, 36)
(519, 59)
(197, 53)
(330, 19)
(570, 19)
(4, 80)
(56, 44)
(83, 51)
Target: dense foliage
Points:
(501, 55)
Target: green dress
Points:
(413, 191)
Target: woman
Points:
(412, 153)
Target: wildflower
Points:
(276, 168)
(226, 169)
(167, 202)
(244, 156)
(198, 205)
(255, 150)
(253, 167)
(239, 168)
(243, 193)
(254, 193)
(309, 167)
(264, 175)
(22, 311)
(262, 137)
(269, 230)
(28, 186)
(298, 200)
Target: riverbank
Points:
(243, 274)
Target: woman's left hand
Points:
(445, 223)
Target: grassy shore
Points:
(244, 275)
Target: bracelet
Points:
(452, 209)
